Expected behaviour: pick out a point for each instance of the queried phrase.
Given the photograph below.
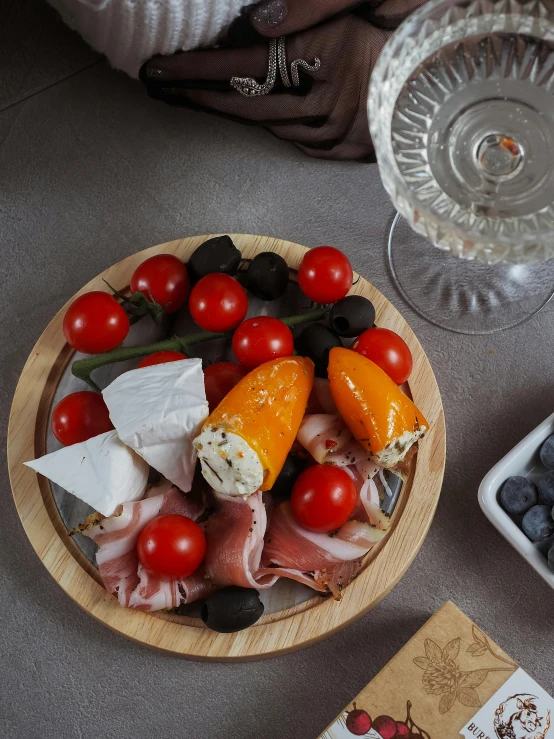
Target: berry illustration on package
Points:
(358, 722)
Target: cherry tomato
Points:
(95, 323)
(325, 274)
(160, 358)
(171, 547)
(79, 417)
(260, 339)
(388, 350)
(162, 278)
(218, 302)
(219, 378)
(323, 498)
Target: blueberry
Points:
(232, 609)
(518, 494)
(315, 342)
(268, 275)
(538, 523)
(215, 255)
(551, 558)
(352, 315)
(545, 485)
(547, 453)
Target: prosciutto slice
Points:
(324, 563)
(235, 540)
(290, 545)
(329, 440)
(117, 560)
(321, 400)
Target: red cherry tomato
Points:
(218, 302)
(160, 358)
(79, 417)
(260, 339)
(171, 547)
(388, 350)
(162, 278)
(325, 274)
(323, 498)
(219, 379)
(95, 323)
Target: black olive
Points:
(214, 255)
(268, 276)
(282, 487)
(232, 609)
(316, 341)
(352, 315)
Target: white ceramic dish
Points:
(522, 460)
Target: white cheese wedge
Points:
(229, 464)
(157, 411)
(102, 471)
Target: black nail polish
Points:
(269, 14)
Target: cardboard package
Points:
(449, 679)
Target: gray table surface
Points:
(91, 171)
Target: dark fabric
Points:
(326, 116)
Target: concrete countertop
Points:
(92, 171)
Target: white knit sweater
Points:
(129, 32)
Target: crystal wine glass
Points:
(461, 110)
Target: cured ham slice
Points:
(361, 534)
(153, 594)
(235, 540)
(117, 560)
(290, 545)
(329, 440)
(324, 563)
(321, 400)
(335, 578)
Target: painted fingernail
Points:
(269, 14)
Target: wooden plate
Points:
(275, 633)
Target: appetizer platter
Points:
(227, 447)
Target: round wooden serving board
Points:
(278, 632)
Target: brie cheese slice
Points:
(102, 471)
(157, 411)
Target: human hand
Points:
(325, 115)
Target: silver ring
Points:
(248, 86)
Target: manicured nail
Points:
(269, 14)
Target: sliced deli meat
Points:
(101, 471)
(324, 563)
(321, 400)
(118, 562)
(329, 440)
(235, 540)
(157, 411)
(290, 545)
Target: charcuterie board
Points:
(286, 626)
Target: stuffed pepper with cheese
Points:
(382, 418)
(243, 444)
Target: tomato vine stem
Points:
(83, 368)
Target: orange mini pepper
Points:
(381, 417)
(266, 409)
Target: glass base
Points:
(464, 296)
